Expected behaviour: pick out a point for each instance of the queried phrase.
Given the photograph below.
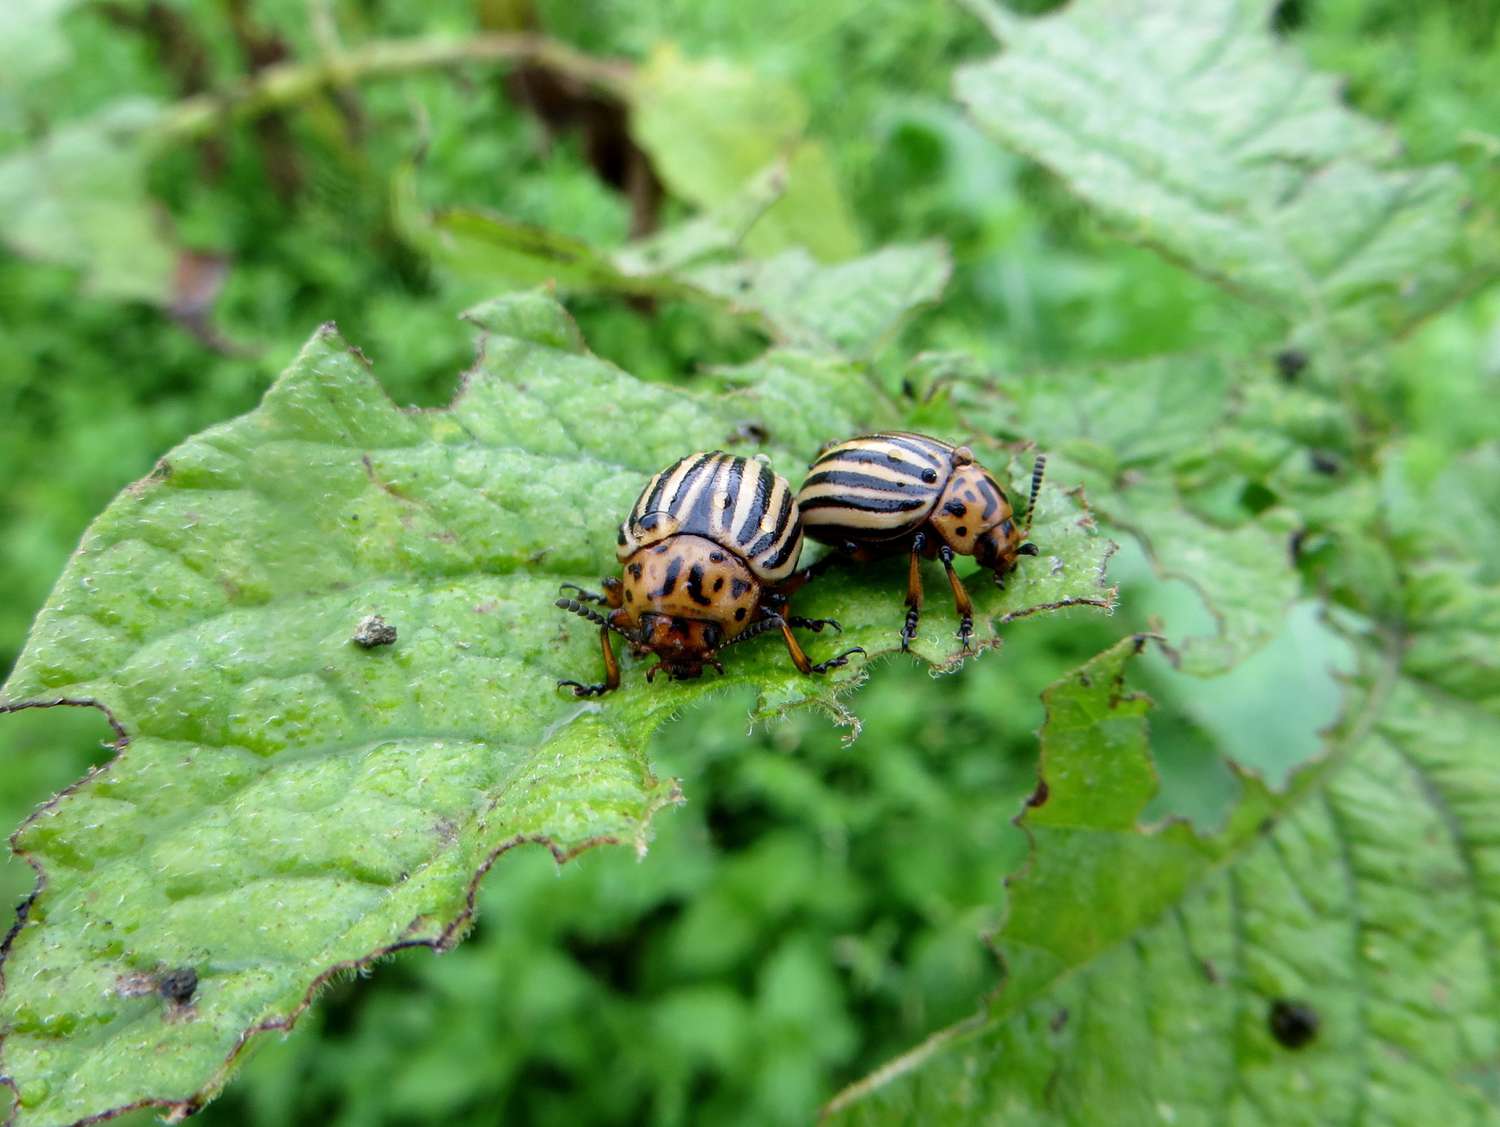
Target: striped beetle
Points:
(710, 553)
(884, 494)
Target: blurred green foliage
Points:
(816, 907)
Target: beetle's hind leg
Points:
(960, 597)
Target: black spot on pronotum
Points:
(739, 613)
(956, 507)
(374, 631)
(719, 583)
(1040, 795)
(738, 587)
(695, 586)
(963, 530)
(669, 581)
(1293, 1024)
(178, 985)
(1291, 363)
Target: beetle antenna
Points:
(592, 615)
(1037, 470)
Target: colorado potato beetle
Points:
(884, 494)
(710, 553)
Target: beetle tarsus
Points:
(815, 624)
(582, 690)
(835, 662)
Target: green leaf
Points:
(289, 803)
(31, 41)
(1195, 131)
(1149, 969)
(78, 197)
(852, 307)
(1156, 444)
(710, 126)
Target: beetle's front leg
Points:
(913, 590)
(613, 597)
(611, 680)
(960, 597)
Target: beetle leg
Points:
(960, 597)
(913, 590)
(614, 592)
(611, 680)
(814, 624)
(799, 658)
(716, 663)
(615, 620)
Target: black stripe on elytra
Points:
(732, 492)
(793, 543)
(922, 447)
(653, 502)
(867, 457)
(764, 482)
(702, 514)
(847, 479)
(864, 504)
(669, 581)
(783, 514)
(695, 586)
(688, 480)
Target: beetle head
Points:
(684, 645)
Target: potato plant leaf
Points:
(852, 307)
(709, 126)
(1329, 957)
(1197, 132)
(298, 792)
(1140, 438)
(78, 197)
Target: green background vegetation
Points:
(815, 907)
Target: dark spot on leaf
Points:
(1290, 363)
(1059, 1019)
(1293, 1024)
(178, 985)
(374, 631)
(1294, 545)
(749, 431)
(1324, 462)
(1210, 971)
(1266, 826)
(1040, 795)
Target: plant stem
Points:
(286, 84)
